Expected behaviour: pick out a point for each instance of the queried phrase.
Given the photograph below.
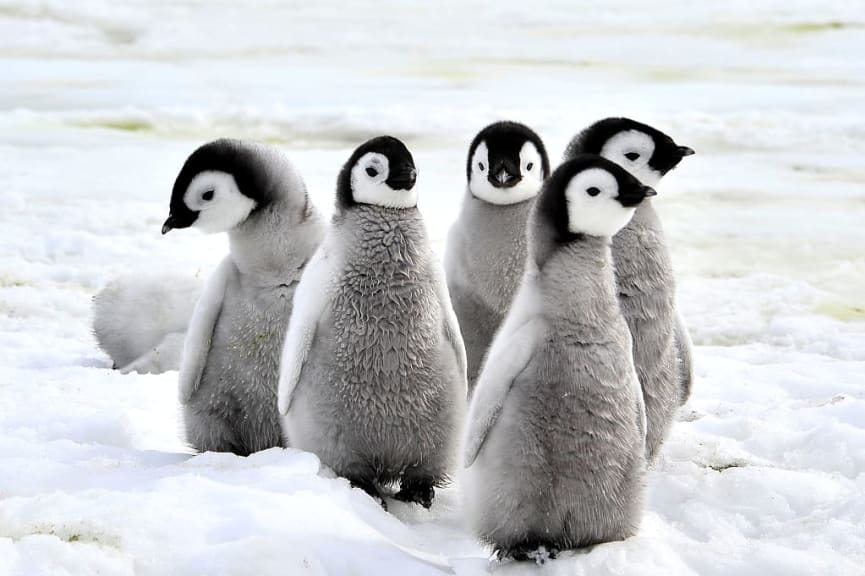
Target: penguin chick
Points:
(230, 367)
(141, 323)
(644, 272)
(555, 443)
(486, 246)
(373, 377)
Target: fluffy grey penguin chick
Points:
(141, 323)
(230, 367)
(555, 443)
(373, 378)
(644, 272)
(486, 246)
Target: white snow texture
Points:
(101, 102)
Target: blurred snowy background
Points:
(100, 103)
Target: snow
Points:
(100, 102)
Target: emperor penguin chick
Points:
(486, 246)
(555, 443)
(230, 366)
(141, 322)
(644, 272)
(373, 377)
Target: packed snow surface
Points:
(100, 102)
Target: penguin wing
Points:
(509, 355)
(639, 395)
(683, 352)
(452, 328)
(310, 300)
(199, 335)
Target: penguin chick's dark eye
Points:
(632, 156)
(481, 166)
(207, 196)
(530, 165)
(593, 191)
(372, 172)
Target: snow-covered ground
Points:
(100, 102)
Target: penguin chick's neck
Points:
(579, 283)
(394, 235)
(276, 240)
(494, 233)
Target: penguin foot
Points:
(370, 489)
(539, 554)
(417, 492)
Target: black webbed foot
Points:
(538, 553)
(417, 491)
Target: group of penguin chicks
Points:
(557, 323)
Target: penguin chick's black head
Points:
(224, 179)
(589, 195)
(499, 155)
(380, 171)
(645, 152)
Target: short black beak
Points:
(170, 224)
(636, 195)
(504, 179)
(686, 151)
(404, 179)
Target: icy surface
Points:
(100, 102)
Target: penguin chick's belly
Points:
(563, 465)
(234, 408)
(380, 390)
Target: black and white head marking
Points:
(507, 163)
(380, 172)
(645, 152)
(590, 195)
(220, 184)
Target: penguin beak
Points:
(170, 224)
(404, 179)
(504, 179)
(637, 195)
(686, 151)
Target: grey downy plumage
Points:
(486, 246)
(374, 377)
(555, 444)
(230, 367)
(644, 271)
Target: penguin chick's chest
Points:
(257, 329)
(386, 318)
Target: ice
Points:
(100, 103)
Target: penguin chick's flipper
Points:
(415, 487)
(199, 335)
(310, 299)
(683, 349)
(510, 354)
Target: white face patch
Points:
(531, 170)
(369, 186)
(632, 150)
(218, 199)
(592, 205)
